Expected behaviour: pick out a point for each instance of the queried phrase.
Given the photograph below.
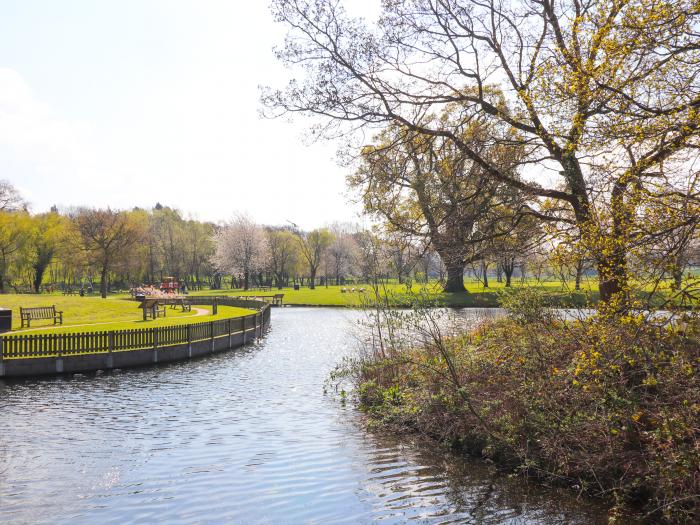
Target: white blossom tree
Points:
(241, 248)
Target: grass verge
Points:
(91, 314)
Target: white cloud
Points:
(37, 147)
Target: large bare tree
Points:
(603, 96)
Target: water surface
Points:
(246, 436)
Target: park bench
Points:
(275, 299)
(27, 315)
(152, 309)
(182, 302)
(174, 302)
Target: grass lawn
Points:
(91, 314)
(476, 294)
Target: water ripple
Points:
(246, 437)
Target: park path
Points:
(198, 312)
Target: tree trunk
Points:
(508, 269)
(612, 265)
(455, 278)
(485, 272)
(677, 272)
(103, 282)
(312, 280)
(677, 278)
(246, 280)
(38, 276)
(612, 278)
(579, 274)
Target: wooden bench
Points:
(27, 315)
(152, 309)
(181, 302)
(275, 299)
(174, 302)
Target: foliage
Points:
(526, 305)
(609, 407)
(426, 188)
(313, 246)
(105, 235)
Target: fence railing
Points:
(69, 344)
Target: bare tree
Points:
(341, 251)
(10, 198)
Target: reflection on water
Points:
(241, 437)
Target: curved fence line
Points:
(23, 355)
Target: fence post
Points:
(189, 340)
(211, 332)
(110, 349)
(155, 345)
(59, 361)
(2, 365)
(229, 336)
(244, 334)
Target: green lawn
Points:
(476, 294)
(91, 314)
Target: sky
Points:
(132, 102)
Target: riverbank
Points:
(609, 408)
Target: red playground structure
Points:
(169, 285)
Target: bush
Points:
(525, 305)
(610, 405)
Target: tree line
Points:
(85, 248)
(107, 250)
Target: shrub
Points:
(610, 405)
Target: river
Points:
(245, 436)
